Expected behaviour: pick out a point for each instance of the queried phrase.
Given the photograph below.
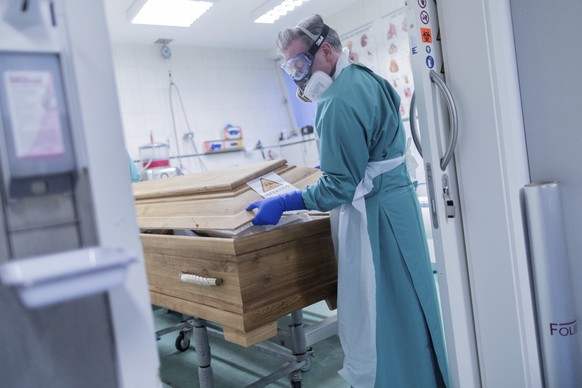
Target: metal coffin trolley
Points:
(241, 281)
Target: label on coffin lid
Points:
(270, 185)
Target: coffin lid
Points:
(210, 200)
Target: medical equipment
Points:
(154, 155)
(155, 160)
(188, 136)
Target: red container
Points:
(154, 155)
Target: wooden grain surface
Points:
(167, 257)
(251, 337)
(189, 204)
(210, 181)
(263, 278)
(173, 191)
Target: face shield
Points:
(299, 66)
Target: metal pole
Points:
(298, 345)
(205, 375)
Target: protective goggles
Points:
(300, 65)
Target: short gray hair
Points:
(314, 25)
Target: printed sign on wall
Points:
(398, 69)
(34, 113)
(362, 46)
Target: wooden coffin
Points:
(243, 283)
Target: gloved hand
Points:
(271, 209)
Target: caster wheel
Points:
(181, 343)
(296, 384)
(308, 363)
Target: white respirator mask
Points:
(317, 84)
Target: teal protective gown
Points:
(358, 121)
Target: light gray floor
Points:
(235, 366)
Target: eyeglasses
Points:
(300, 65)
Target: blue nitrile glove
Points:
(271, 209)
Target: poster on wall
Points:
(362, 47)
(397, 70)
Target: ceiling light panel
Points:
(175, 13)
(279, 10)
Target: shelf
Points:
(293, 141)
(224, 151)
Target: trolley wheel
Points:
(296, 384)
(181, 343)
(308, 363)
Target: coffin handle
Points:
(200, 280)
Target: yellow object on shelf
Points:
(230, 144)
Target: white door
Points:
(437, 139)
(474, 197)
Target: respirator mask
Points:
(310, 87)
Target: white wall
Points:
(218, 87)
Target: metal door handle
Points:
(412, 121)
(452, 109)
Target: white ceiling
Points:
(228, 24)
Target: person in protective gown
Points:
(133, 172)
(388, 314)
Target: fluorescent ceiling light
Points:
(176, 13)
(282, 9)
